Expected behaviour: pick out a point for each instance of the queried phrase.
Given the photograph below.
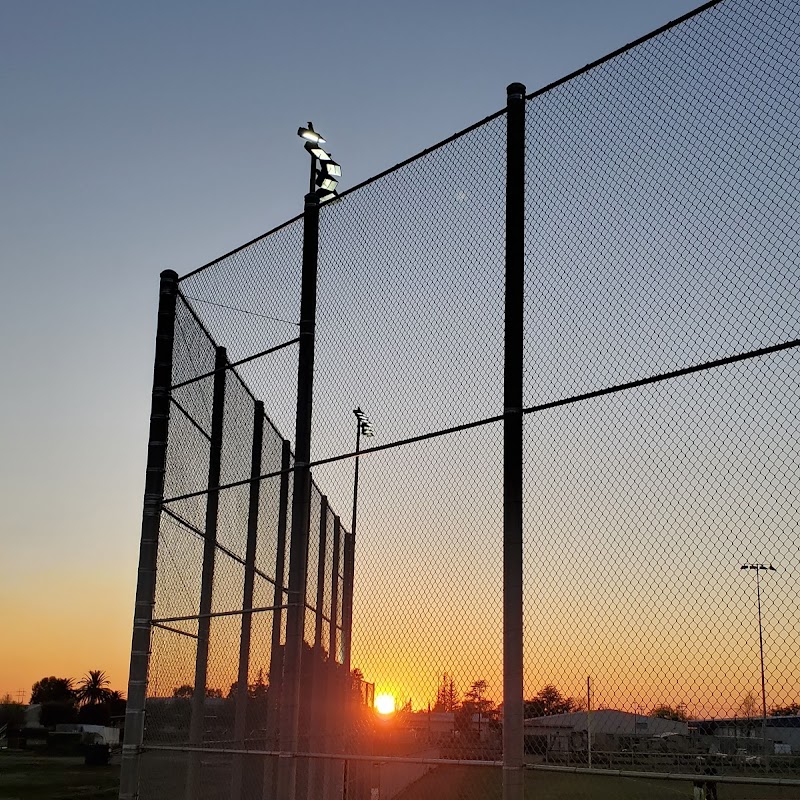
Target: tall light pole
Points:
(301, 493)
(758, 568)
(363, 428)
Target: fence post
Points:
(242, 695)
(148, 547)
(347, 599)
(298, 548)
(513, 704)
(196, 723)
(319, 696)
(334, 769)
(276, 652)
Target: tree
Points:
(749, 706)
(446, 695)
(12, 713)
(475, 703)
(792, 710)
(53, 690)
(668, 712)
(259, 688)
(184, 691)
(93, 688)
(548, 701)
(476, 699)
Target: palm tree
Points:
(93, 688)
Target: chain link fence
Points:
(660, 451)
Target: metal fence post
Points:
(513, 703)
(348, 571)
(196, 723)
(333, 769)
(276, 652)
(298, 548)
(347, 598)
(242, 695)
(318, 738)
(148, 547)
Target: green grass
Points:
(485, 783)
(33, 776)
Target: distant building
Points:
(745, 735)
(611, 730)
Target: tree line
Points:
(90, 700)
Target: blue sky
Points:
(139, 137)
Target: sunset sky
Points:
(151, 136)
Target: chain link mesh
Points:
(662, 227)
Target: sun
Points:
(384, 704)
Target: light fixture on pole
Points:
(310, 134)
(327, 177)
(758, 568)
(363, 428)
(301, 495)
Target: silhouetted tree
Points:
(668, 712)
(548, 701)
(12, 713)
(94, 714)
(185, 691)
(93, 688)
(447, 695)
(749, 705)
(476, 699)
(116, 703)
(258, 688)
(53, 690)
(792, 710)
(475, 703)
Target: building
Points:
(612, 731)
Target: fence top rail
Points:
(352, 189)
(543, 90)
(624, 49)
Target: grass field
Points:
(482, 783)
(30, 776)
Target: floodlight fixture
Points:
(310, 135)
(317, 152)
(365, 426)
(326, 183)
(329, 175)
(324, 195)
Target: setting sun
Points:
(384, 704)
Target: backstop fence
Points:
(570, 564)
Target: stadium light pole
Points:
(325, 179)
(363, 428)
(758, 568)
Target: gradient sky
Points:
(139, 137)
